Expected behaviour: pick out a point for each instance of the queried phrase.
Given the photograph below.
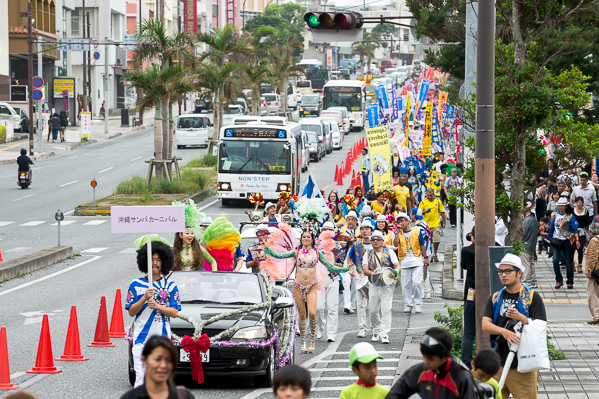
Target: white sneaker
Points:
(375, 338)
(417, 309)
(407, 309)
(384, 339)
(427, 296)
(361, 334)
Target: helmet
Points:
(23, 151)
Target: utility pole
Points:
(161, 11)
(30, 71)
(89, 66)
(484, 189)
(140, 91)
(106, 86)
(84, 99)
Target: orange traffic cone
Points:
(44, 363)
(101, 338)
(353, 175)
(72, 347)
(339, 176)
(336, 173)
(117, 327)
(4, 369)
(1, 260)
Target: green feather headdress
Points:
(192, 216)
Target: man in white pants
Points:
(411, 251)
(327, 300)
(349, 281)
(354, 259)
(380, 296)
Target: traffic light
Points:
(334, 20)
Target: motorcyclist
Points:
(24, 161)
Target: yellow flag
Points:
(428, 131)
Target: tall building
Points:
(4, 54)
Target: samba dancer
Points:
(188, 253)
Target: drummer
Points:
(377, 263)
(411, 251)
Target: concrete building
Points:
(4, 54)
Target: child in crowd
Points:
(544, 235)
(484, 366)
(292, 382)
(440, 376)
(362, 360)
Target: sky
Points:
(358, 3)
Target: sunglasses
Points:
(376, 239)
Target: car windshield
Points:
(226, 288)
(311, 138)
(343, 111)
(334, 125)
(191, 123)
(310, 100)
(261, 157)
(270, 97)
(234, 111)
(313, 128)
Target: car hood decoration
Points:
(233, 320)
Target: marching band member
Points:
(380, 296)
(349, 281)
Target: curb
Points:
(38, 260)
(448, 290)
(410, 354)
(202, 195)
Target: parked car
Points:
(336, 134)
(273, 102)
(205, 294)
(315, 146)
(345, 113)
(234, 112)
(24, 120)
(310, 105)
(192, 130)
(8, 112)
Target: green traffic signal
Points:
(312, 20)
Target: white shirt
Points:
(588, 194)
(392, 256)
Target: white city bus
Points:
(259, 155)
(349, 94)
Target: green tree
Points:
(384, 32)
(254, 77)
(365, 50)
(531, 93)
(286, 18)
(284, 64)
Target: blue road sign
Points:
(38, 81)
(37, 94)
(96, 55)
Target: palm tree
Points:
(214, 78)
(224, 45)
(254, 77)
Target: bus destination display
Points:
(341, 89)
(255, 132)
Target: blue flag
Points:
(311, 188)
(395, 104)
(373, 114)
(381, 95)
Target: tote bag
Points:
(532, 352)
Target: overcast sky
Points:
(358, 3)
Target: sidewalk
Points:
(578, 375)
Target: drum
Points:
(382, 277)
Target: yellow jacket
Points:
(402, 248)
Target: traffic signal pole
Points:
(30, 71)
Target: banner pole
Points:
(149, 244)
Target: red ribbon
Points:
(194, 347)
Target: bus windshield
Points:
(259, 157)
(339, 96)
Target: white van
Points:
(317, 126)
(192, 130)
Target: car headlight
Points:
(251, 333)
(223, 186)
(283, 187)
(312, 148)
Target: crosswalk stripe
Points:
(128, 251)
(351, 378)
(94, 222)
(95, 250)
(379, 352)
(2, 224)
(347, 369)
(33, 223)
(64, 222)
(17, 249)
(345, 360)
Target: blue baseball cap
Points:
(418, 213)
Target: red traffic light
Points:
(334, 20)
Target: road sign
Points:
(96, 55)
(37, 94)
(38, 81)
(95, 41)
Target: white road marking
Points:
(17, 249)
(33, 223)
(18, 199)
(345, 360)
(106, 170)
(49, 276)
(208, 205)
(2, 224)
(128, 251)
(348, 369)
(65, 222)
(71, 182)
(69, 212)
(136, 158)
(352, 377)
(18, 373)
(94, 222)
(95, 250)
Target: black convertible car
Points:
(207, 294)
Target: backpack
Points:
(425, 230)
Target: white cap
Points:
(262, 226)
(366, 210)
(402, 215)
(328, 225)
(351, 214)
(206, 220)
(376, 234)
(381, 218)
(268, 205)
(367, 223)
(513, 260)
(562, 201)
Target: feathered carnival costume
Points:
(282, 246)
(221, 239)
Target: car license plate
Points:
(184, 356)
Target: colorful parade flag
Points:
(407, 119)
(380, 157)
(428, 131)
(394, 102)
(373, 114)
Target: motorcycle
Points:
(24, 179)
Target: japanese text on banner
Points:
(428, 131)
(380, 157)
(373, 114)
